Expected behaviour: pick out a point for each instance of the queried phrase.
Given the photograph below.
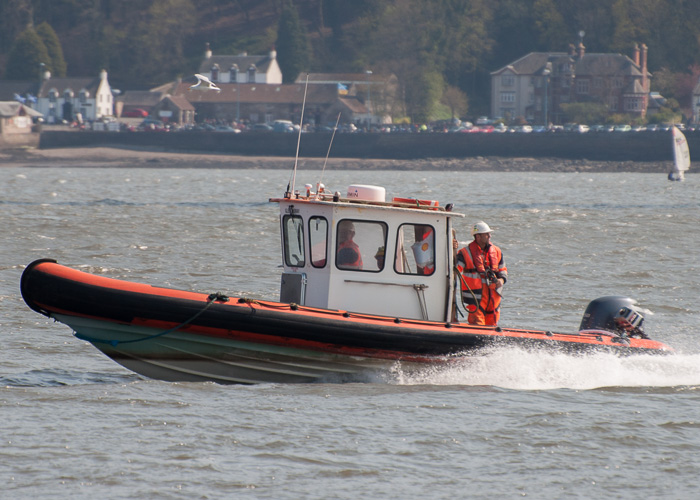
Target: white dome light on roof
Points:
(366, 193)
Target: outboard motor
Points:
(615, 314)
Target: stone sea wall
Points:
(606, 146)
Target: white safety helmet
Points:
(480, 227)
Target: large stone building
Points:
(535, 86)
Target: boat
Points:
(348, 309)
(681, 155)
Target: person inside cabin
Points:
(423, 249)
(482, 275)
(379, 257)
(348, 255)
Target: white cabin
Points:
(362, 254)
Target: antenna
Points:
(318, 186)
(296, 157)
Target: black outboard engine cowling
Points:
(615, 314)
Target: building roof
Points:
(634, 87)
(591, 64)
(140, 98)
(354, 105)
(348, 78)
(243, 61)
(606, 65)
(180, 102)
(9, 109)
(76, 84)
(292, 93)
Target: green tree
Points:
(292, 46)
(552, 31)
(423, 93)
(15, 17)
(26, 54)
(585, 112)
(156, 44)
(456, 100)
(56, 63)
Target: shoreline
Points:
(121, 157)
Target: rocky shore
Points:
(118, 157)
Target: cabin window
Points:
(415, 249)
(360, 245)
(293, 233)
(215, 73)
(318, 241)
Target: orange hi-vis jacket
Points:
(480, 296)
(357, 263)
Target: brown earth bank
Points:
(119, 157)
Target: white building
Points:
(241, 68)
(72, 98)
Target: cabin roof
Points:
(386, 205)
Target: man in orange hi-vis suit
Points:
(483, 274)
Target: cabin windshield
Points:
(415, 249)
(360, 245)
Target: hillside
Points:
(429, 44)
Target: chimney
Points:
(636, 54)
(645, 73)
(207, 51)
(645, 80)
(273, 53)
(581, 50)
(103, 75)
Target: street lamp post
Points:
(369, 115)
(546, 72)
(238, 98)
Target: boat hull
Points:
(185, 336)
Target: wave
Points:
(518, 369)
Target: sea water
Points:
(507, 424)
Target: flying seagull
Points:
(204, 83)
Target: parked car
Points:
(227, 128)
(282, 126)
(135, 113)
(151, 125)
(261, 127)
(623, 128)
